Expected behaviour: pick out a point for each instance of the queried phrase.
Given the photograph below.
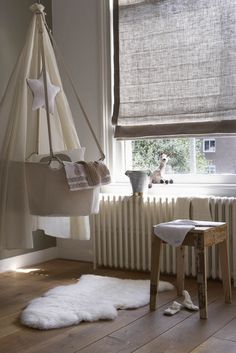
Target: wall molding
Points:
(33, 258)
(105, 39)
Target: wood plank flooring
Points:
(137, 330)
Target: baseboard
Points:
(80, 250)
(29, 259)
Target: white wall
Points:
(77, 32)
(15, 17)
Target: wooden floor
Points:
(133, 331)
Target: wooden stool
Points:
(200, 238)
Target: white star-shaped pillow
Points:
(37, 87)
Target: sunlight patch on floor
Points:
(27, 270)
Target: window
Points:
(211, 169)
(209, 145)
(188, 160)
(137, 97)
(186, 155)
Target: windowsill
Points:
(176, 189)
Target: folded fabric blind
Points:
(175, 68)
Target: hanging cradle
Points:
(58, 181)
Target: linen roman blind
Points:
(175, 68)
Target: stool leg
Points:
(225, 269)
(155, 270)
(180, 269)
(201, 276)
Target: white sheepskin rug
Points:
(92, 298)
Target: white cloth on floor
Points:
(174, 232)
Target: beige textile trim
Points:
(176, 130)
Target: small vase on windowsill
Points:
(139, 179)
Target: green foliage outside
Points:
(146, 155)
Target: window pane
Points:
(187, 155)
(212, 143)
(206, 145)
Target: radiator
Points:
(122, 233)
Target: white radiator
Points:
(122, 233)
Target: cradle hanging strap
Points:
(74, 89)
(44, 71)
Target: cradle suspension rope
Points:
(39, 19)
